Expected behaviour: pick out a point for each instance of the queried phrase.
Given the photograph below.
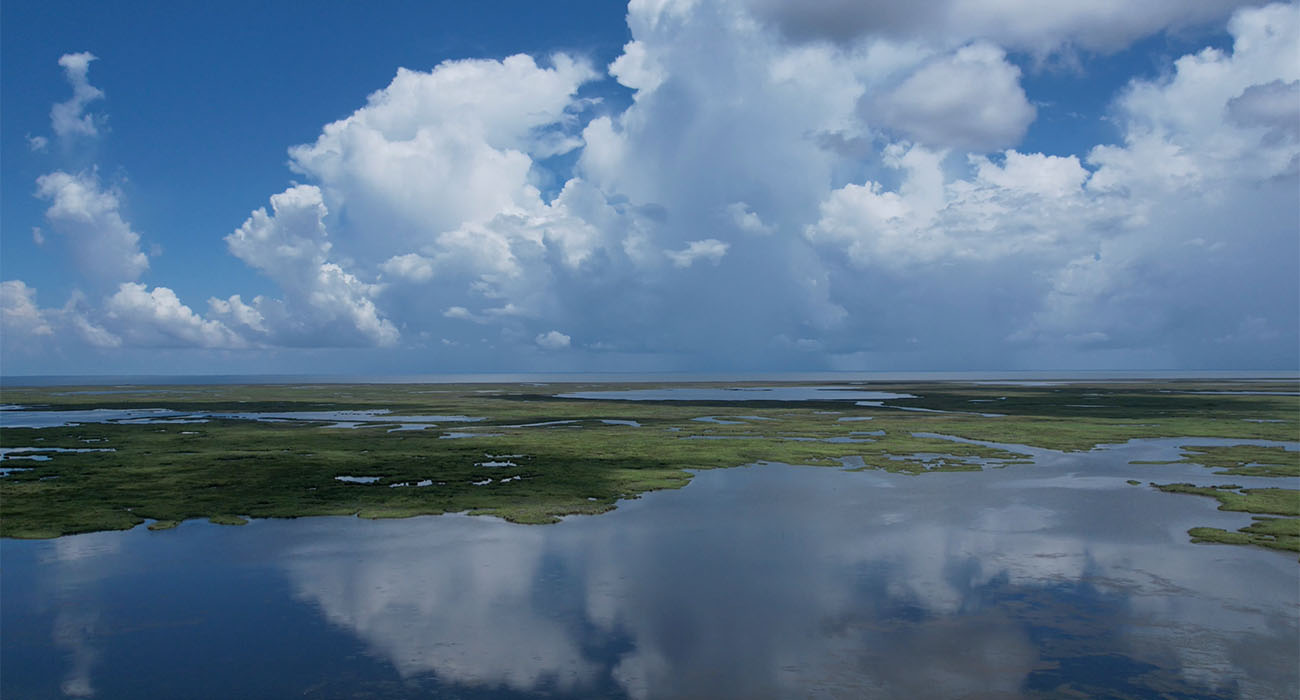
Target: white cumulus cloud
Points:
(324, 304)
(69, 118)
(437, 149)
(19, 316)
(412, 266)
(856, 165)
(102, 244)
(710, 249)
(157, 318)
(552, 340)
(746, 219)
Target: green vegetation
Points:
(1241, 460)
(1219, 536)
(227, 470)
(1275, 533)
(1233, 497)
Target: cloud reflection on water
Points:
(455, 599)
(776, 581)
(77, 566)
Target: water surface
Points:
(762, 581)
(774, 393)
(17, 418)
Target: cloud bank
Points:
(828, 185)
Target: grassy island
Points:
(521, 452)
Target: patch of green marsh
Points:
(1274, 533)
(169, 473)
(1231, 497)
(1241, 460)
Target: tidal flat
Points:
(1070, 546)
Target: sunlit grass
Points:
(228, 470)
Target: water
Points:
(53, 419)
(376, 416)
(774, 393)
(7, 453)
(881, 404)
(358, 479)
(14, 418)
(764, 581)
(454, 435)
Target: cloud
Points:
(635, 69)
(37, 143)
(1133, 253)
(102, 245)
(738, 117)
(412, 266)
(241, 315)
(970, 100)
(746, 219)
(1210, 172)
(68, 119)
(710, 249)
(459, 312)
(140, 317)
(1093, 25)
(324, 304)
(435, 150)
(20, 318)
(1274, 106)
(30, 331)
(76, 316)
(157, 318)
(553, 340)
(864, 188)
(654, 178)
(1030, 203)
(1176, 133)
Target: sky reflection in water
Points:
(765, 581)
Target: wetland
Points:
(1123, 538)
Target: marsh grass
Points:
(1232, 497)
(1274, 533)
(169, 473)
(1241, 460)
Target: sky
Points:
(671, 185)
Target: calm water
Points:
(774, 393)
(23, 417)
(764, 581)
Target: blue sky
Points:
(671, 185)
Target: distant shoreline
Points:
(37, 380)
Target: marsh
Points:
(1051, 551)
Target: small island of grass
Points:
(1275, 533)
